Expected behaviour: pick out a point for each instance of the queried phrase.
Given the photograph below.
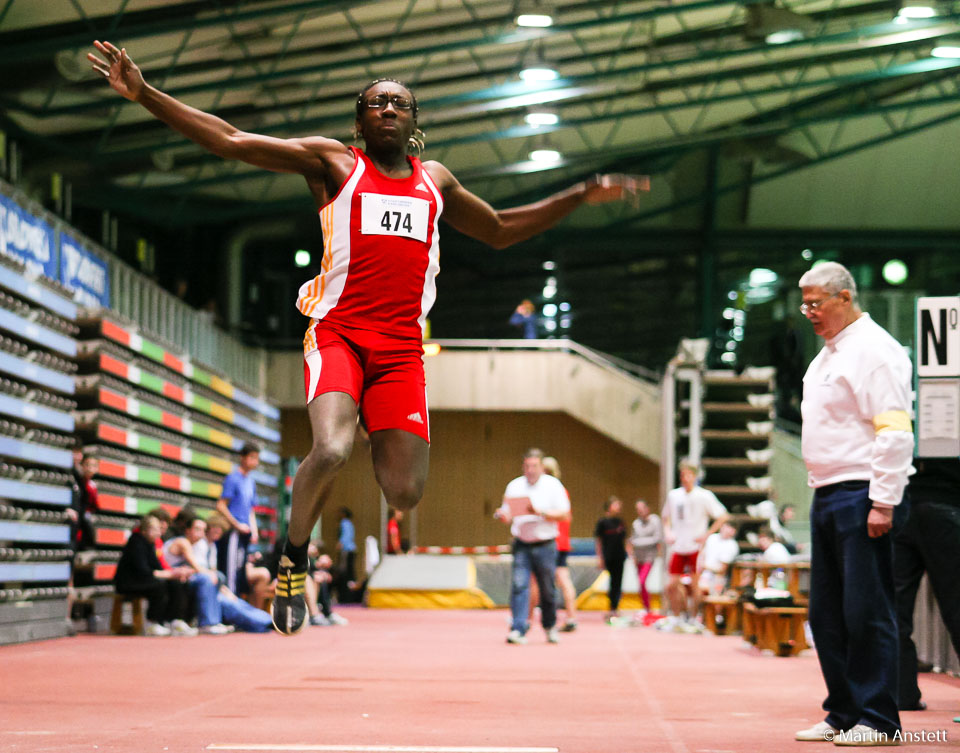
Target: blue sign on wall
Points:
(26, 238)
(85, 275)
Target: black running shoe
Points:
(289, 607)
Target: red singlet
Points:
(370, 301)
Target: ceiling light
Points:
(895, 272)
(549, 266)
(538, 20)
(913, 10)
(538, 73)
(784, 37)
(946, 51)
(545, 155)
(302, 258)
(541, 118)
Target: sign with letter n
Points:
(938, 377)
(938, 337)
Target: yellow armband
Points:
(892, 420)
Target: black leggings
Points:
(615, 568)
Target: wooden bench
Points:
(779, 629)
(727, 609)
(117, 625)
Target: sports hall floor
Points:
(421, 681)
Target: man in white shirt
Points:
(857, 443)
(719, 550)
(532, 505)
(686, 515)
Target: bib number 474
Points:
(392, 222)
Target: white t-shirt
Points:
(689, 516)
(856, 406)
(546, 496)
(717, 552)
(775, 554)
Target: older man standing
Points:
(533, 504)
(857, 443)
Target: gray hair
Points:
(830, 276)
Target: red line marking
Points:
(112, 434)
(173, 362)
(113, 400)
(114, 332)
(111, 537)
(170, 451)
(113, 366)
(169, 481)
(109, 468)
(104, 572)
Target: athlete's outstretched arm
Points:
(472, 216)
(303, 156)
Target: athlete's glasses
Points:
(806, 308)
(380, 101)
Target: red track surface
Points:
(423, 679)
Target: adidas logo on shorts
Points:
(415, 417)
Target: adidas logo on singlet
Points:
(421, 187)
(415, 417)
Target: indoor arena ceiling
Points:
(639, 85)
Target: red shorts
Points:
(681, 564)
(383, 375)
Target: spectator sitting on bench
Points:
(233, 610)
(259, 580)
(318, 588)
(774, 553)
(719, 550)
(204, 581)
(139, 573)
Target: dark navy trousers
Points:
(852, 612)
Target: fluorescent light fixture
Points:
(541, 118)
(539, 73)
(550, 325)
(917, 11)
(784, 36)
(762, 276)
(564, 306)
(550, 310)
(549, 266)
(538, 20)
(302, 258)
(806, 254)
(545, 155)
(946, 51)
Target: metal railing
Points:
(604, 360)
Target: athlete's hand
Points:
(120, 71)
(601, 189)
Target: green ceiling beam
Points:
(34, 49)
(657, 149)
(505, 90)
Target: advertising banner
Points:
(26, 238)
(85, 275)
